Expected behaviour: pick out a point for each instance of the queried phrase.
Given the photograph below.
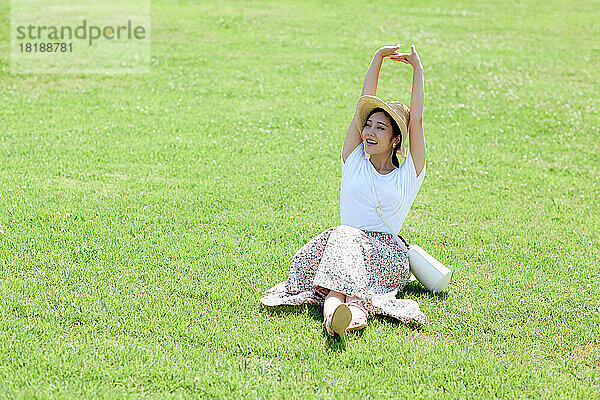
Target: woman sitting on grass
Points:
(355, 270)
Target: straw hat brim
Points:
(366, 104)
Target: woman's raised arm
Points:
(353, 135)
(416, 137)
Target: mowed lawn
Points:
(142, 216)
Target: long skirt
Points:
(366, 264)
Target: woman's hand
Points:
(388, 51)
(411, 58)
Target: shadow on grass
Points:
(415, 288)
(316, 312)
(412, 325)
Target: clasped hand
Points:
(411, 58)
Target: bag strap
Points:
(403, 244)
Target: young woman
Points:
(356, 269)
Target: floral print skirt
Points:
(366, 264)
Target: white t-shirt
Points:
(396, 192)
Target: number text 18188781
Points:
(46, 47)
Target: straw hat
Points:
(398, 111)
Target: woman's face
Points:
(378, 129)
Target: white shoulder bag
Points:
(430, 272)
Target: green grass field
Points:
(142, 216)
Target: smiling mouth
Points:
(369, 141)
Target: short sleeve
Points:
(409, 180)
(352, 158)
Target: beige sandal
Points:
(365, 317)
(338, 321)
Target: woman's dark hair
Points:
(395, 133)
